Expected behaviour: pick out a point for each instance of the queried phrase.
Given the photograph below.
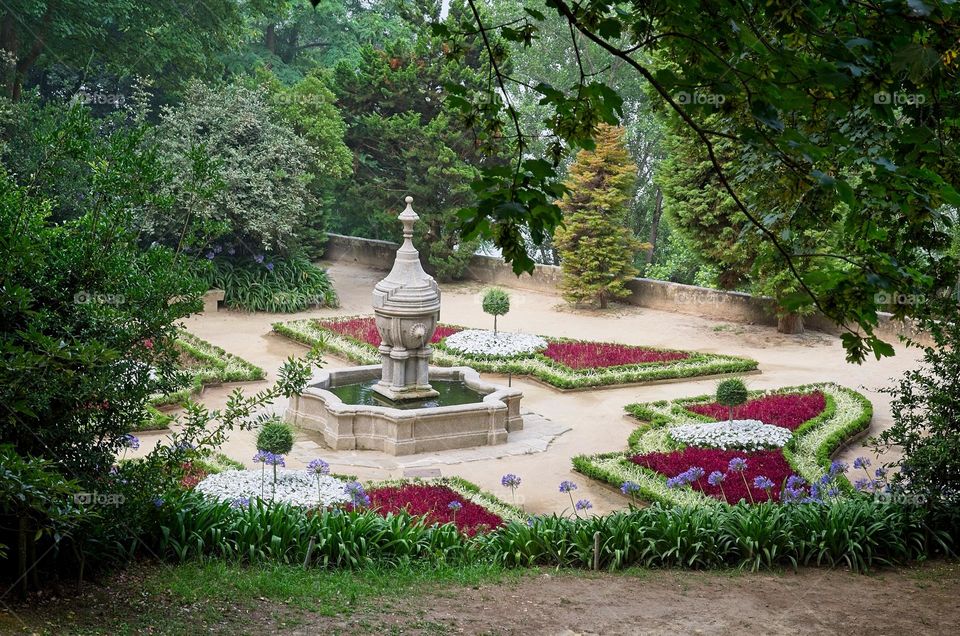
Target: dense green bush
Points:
(926, 417)
(281, 285)
(275, 437)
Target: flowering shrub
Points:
(768, 464)
(365, 329)
(593, 355)
(749, 435)
(437, 503)
(502, 344)
(787, 410)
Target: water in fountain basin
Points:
(451, 394)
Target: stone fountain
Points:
(395, 406)
(407, 306)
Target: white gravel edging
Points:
(486, 343)
(296, 487)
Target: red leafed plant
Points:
(787, 410)
(770, 464)
(592, 355)
(365, 330)
(192, 475)
(433, 502)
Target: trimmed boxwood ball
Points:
(496, 302)
(732, 393)
(275, 437)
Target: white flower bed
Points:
(502, 344)
(748, 435)
(296, 487)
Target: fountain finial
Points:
(408, 217)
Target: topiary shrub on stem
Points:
(732, 393)
(496, 302)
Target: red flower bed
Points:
(771, 464)
(192, 475)
(433, 502)
(365, 330)
(592, 355)
(789, 410)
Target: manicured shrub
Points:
(496, 302)
(731, 393)
(275, 437)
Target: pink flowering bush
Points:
(434, 503)
(734, 485)
(365, 329)
(592, 355)
(788, 410)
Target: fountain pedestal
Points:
(407, 308)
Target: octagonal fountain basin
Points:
(342, 406)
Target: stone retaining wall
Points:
(645, 292)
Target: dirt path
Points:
(148, 600)
(914, 602)
(596, 417)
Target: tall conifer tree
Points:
(596, 245)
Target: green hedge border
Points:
(614, 468)
(216, 367)
(311, 333)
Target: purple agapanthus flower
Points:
(880, 473)
(838, 467)
(455, 506)
(762, 482)
(510, 481)
(358, 496)
(583, 504)
(863, 484)
(629, 487)
(737, 465)
(158, 502)
(716, 478)
(861, 462)
(694, 473)
(131, 441)
(318, 467)
(269, 267)
(796, 482)
(567, 486)
(275, 460)
(258, 258)
(261, 457)
(240, 502)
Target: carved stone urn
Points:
(407, 308)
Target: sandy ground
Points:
(596, 417)
(916, 600)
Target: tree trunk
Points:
(22, 532)
(654, 227)
(494, 325)
(270, 38)
(603, 300)
(790, 323)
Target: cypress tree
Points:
(596, 245)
